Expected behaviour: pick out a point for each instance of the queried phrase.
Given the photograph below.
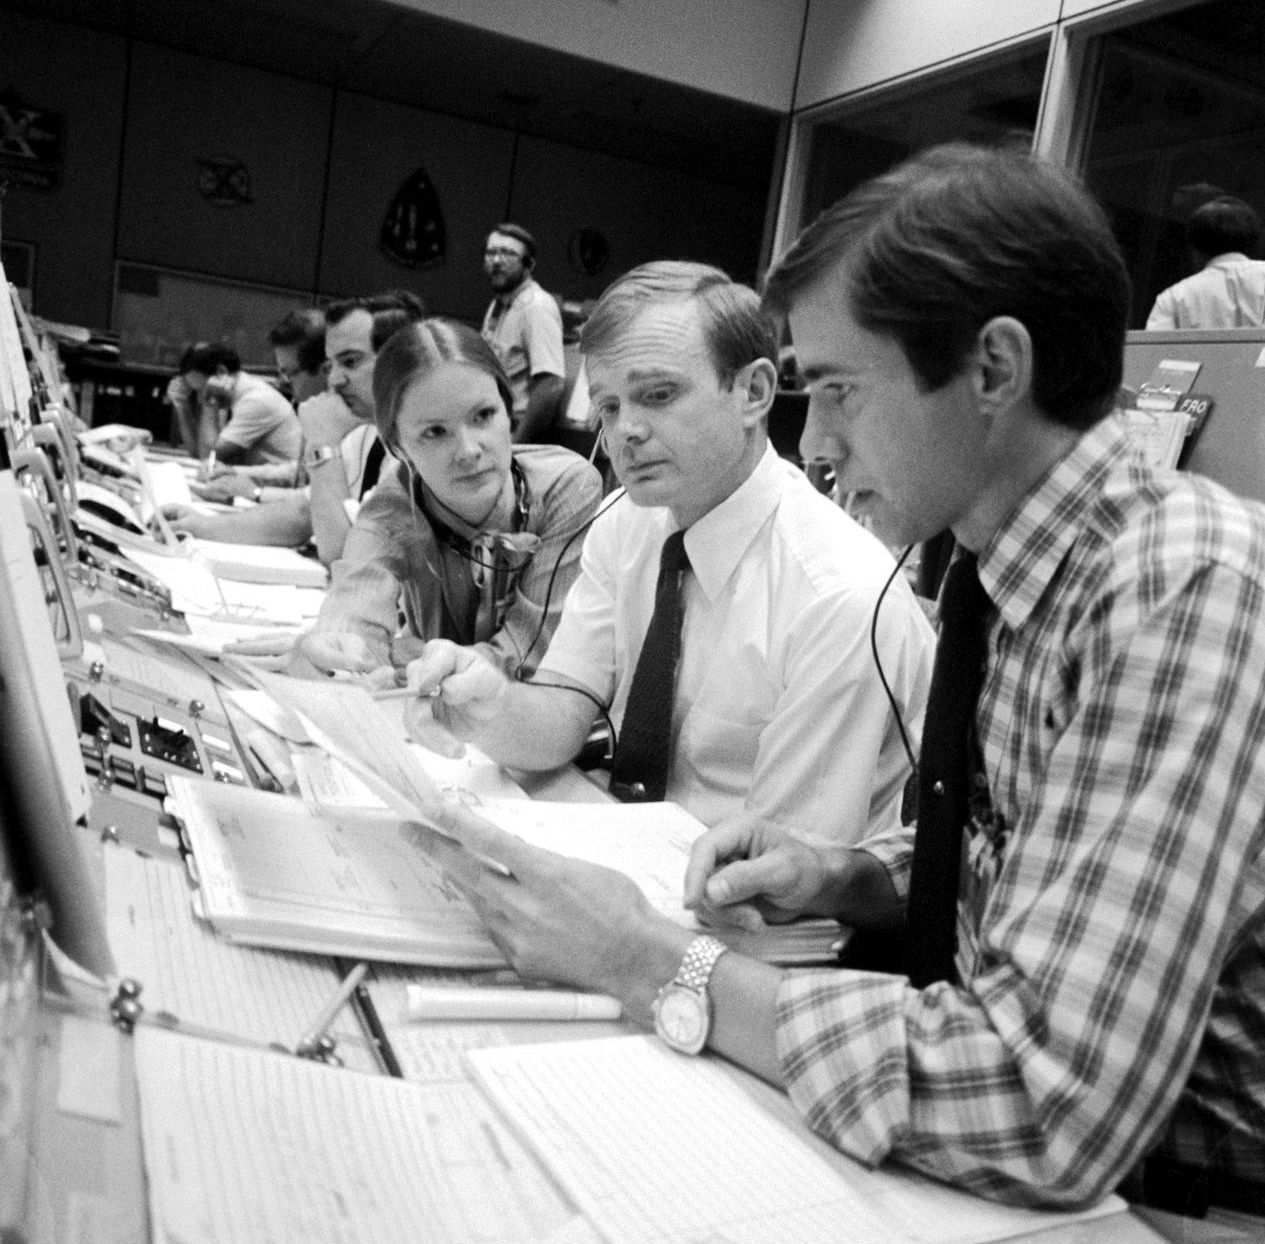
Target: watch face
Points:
(682, 1019)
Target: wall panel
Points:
(377, 146)
(644, 213)
(853, 45)
(743, 49)
(185, 114)
(79, 74)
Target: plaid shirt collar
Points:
(1023, 557)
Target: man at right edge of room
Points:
(960, 321)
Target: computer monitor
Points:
(44, 791)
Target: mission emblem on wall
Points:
(413, 232)
(30, 145)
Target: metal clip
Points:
(323, 1050)
(125, 1006)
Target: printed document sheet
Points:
(659, 1149)
(187, 972)
(243, 1146)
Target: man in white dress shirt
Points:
(778, 707)
(1229, 289)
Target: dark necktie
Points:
(945, 776)
(639, 770)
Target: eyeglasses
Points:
(503, 252)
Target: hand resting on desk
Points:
(184, 518)
(338, 651)
(226, 484)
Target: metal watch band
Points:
(319, 455)
(697, 963)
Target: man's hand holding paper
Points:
(556, 918)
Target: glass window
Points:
(1178, 117)
(984, 102)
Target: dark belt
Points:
(1192, 1191)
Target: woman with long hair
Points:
(468, 537)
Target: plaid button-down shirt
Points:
(1112, 931)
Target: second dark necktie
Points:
(639, 769)
(945, 774)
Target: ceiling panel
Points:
(414, 58)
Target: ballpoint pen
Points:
(377, 1034)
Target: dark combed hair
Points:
(735, 327)
(391, 310)
(414, 352)
(305, 331)
(207, 356)
(930, 251)
(1223, 224)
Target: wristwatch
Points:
(683, 1009)
(320, 455)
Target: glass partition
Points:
(987, 101)
(1176, 116)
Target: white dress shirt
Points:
(778, 706)
(1229, 292)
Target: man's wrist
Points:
(859, 889)
(319, 455)
(654, 954)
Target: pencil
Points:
(400, 693)
(320, 1025)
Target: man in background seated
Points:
(262, 429)
(298, 349)
(960, 321)
(1229, 289)
(777, 707)
(194, 428)
(343, 456)
(523, 325)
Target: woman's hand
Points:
(338, 651)
(468, 689)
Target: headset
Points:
(519, 675)
(878, 663)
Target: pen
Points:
(377, 1034)
(310, 1042)
(400, 693)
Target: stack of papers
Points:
(275, 872)
(257, 563)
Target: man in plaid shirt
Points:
(960, 322)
